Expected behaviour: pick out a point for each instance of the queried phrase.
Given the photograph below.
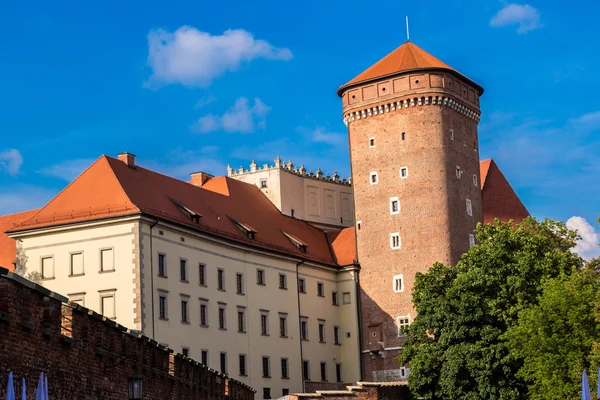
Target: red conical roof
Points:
(408, 57)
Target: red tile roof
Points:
(408, 57)
(109, 188)
(8, 247)
(343, 246)
(499, 199)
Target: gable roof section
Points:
(498, 197)
(111, 188)
(8, 246)
(407, 57)
(343, 245)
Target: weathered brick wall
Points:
(88, 357)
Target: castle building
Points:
(286, 280)
(412, 127)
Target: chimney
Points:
(200, 178)
(127, 158)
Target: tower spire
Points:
(407, 30)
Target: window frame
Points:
(283, 325)
(336, 335)
(304, 329)
(323, 368)
(42, 258)
(183, 270)
(285, 368)
(394, 235)
(261, 277)
(469, 207)
(371, 175)
(394, 286)
(302, 285)
(223, 362)
(266, 366)
(392, 201)
(243, 364)
(221, 280)
(320, 289)
(371, 142)
(105, 294)
(282, 281)
(71, 271)
(322, 333)
(204, 310)
(471, 240)
(306, 370)
(403, 324)
(162, 273)
(242, 327)
(223, 317)
(335, 301)
(239, 283)
(264, 323)
(202, 274)
(101, 269)
(163, 305)
(403, 169)
(185, 309)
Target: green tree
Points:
(559, 337)
(455, 347)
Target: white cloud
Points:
(589, 245)
(194, 58)
(320, 135)
(182, 162)
(11, 161)
(527, 17)
(67, 170)
(204, 101)
(241, 118)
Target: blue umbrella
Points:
(585, 387)
(10, 390)
(23, 390)
(39, 392)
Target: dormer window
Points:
(245, 228)
(194, 216)
(296, 242)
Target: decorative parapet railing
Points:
(412, 102)
(291, 168)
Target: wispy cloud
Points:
(23, 197)
(68, 169)
(194, 58)
(180, 163)
(11, 161)
(321, 135)
(523, 15)
(240, 118)
(204, 101)
(588, 245)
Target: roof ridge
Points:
(118, 181)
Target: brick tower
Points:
(412, 126)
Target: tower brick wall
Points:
(425, 121)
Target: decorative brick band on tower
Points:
(412, 126)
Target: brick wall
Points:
(86, 356)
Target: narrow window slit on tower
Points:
(403, 135)
(372, 142)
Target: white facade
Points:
(132, 287)
(321, 200)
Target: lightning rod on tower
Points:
(407, 31)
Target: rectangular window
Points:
(78, 298)
(284, 368)
(394, 205)
(403, 323)
(471, 240)
(266, 367)
(322, 331)
(302, 285)
(266, 393)
(395, 242)
(469, 208)
(451, 134)
(223, 362)
(336, 335)
(162, 307)
(202, 274)
(320, 289)
(76, 264)
(263, 183)
(324, 372)
(404, 172)
(338, 372)
(185, 351)
(241, 321)
(239, 281)
(203, 314)
(334, 299)
(204, 357)
(107, 304)
(222, 318)
(398, 284)
(162, 265)
(282, 281)
(107, 260)
(184, 312)
(285, 392)
(264, 323)
(47, 267)
(260, 277)
(243, 365)
(403, 135)
(373, 178)
(183, 270)
(282, 325)
(474, 180)
(220, 279)
(372, 142)
(304, 329)
(346, 299)
(458, 172)
(305, 370)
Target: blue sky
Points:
(196, 85)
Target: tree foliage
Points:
(456, 346)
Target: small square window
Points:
(471, 240)
(394, 205)
(475, 180)
(346, 299)
(469, 208)
(403, 323)
(263, 183)
(372, 142)
(185, 351)
(398, 284)
(374, 179)
(404, 172)
(395, 242)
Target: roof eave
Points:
(347, 86)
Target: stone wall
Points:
(87, 356)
